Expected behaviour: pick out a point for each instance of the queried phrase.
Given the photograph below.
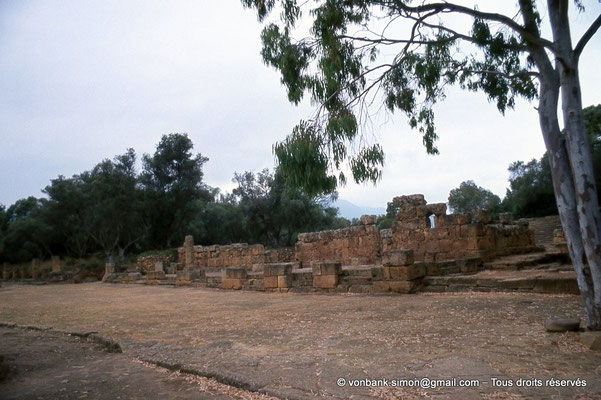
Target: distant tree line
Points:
(530, 192)
(114, 209)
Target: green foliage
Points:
(27, 235)
(386, 221)
(274, 212)
(341, 67)
(469, 197)
(530, 192)
(113, 216)
(112, 209)
(3, 228)
(173, 189)
(67, 209)
(531, 187)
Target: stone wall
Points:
(423, 240)
(426, 229)
(217, 257)
(356, 245)
(147, 264)
(435, 236)
(543, 228)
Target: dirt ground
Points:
(305, 345)
(51, 365)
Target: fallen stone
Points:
(562, 324)
(591, 339)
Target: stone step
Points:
(356, 280)
(363, 271)
(505, 281)
(526, 261)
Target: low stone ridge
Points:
(562, 324)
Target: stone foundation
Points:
(423, 241)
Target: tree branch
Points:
(450, 7)
(503, 74)
(587, 36)
(386, 41)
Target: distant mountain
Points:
(349, 210)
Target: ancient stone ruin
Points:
(423, 241)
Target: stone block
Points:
(505, 218)
(134, 276)
(432, 269)
(562, 324)
(325, 281)
(284, 281)
(445, 245)
(279, 269)
(405, 287)
(377, 273)
(367, 220)
(189, 251)
(381, 286)
(235, 284)
(155, 275)
(411, 199)
(481, 216)
(472, 230)
(233, 273)
(437, 208)
(331, 268)
(413, 224)
(271, 282)
(406, 213)
(463, 219)
(591, 339)
(422, 211)
(469, 265)
(326, 268)
(398, 257)
(407, 273)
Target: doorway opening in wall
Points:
(431, 219)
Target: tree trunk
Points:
(564, 193)
(110, 258)
(582, 220)
(121, 255)
(581, 162)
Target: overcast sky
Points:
(85, 80)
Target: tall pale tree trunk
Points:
(571, 161)
(565, 195)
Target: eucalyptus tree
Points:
(504, 55)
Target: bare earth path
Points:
(300, 345)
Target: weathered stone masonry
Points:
(423, 240)
(357, 245)
(455, 236)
